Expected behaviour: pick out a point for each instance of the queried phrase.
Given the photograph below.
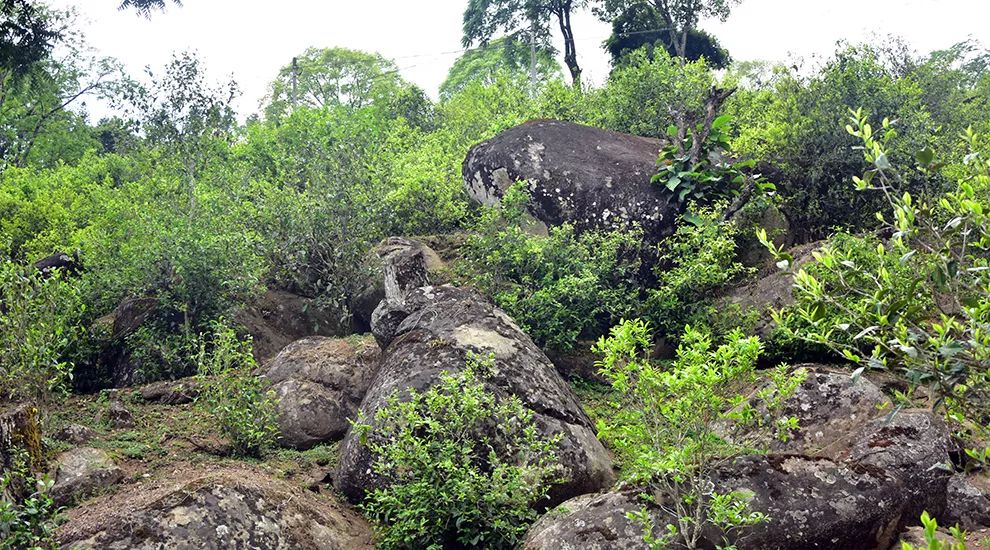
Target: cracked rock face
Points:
(968, 502)
(588, 177)
(436, 328)
(235, 508)
(319, 383)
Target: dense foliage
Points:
(465, 467)
(673, 425)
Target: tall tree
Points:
(27, 34)
(500, 56)
(679, 17)
(640, 25)
(525, 20)
(326, 77)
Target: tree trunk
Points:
(570, 50)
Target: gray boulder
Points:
(319, 383)
(812, 503)
(82, 473)
(592, 178)
(439, 326)
(76, 434)
(234, 507)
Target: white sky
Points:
(252, 39)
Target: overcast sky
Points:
(251, 39)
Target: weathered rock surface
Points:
(171, 392)
(831, 409)
(59, 262)
(76, 434)
(439, 327)
(212, 510)
(82, 473)
(117, 416)
(364, 304)
(277, 318)
(772, 289)
(588, 177)
(320, 382)
(814, 503)
(912, 446)
(405, 268)
(968, 502)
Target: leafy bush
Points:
(673, 425)
(39, 320)
(243, 408)
(465, 467)
(28, 522)
(695, 262)
(794, 124)
(917, 302)
(932, 540)
(559, 287)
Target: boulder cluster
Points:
(857, 473)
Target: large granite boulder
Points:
(435, 330)
(588, 177)
(278, 317)
(82, 473)
(319, 383)
(233, 507)
(812, 503)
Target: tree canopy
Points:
(524, 20)
(326, 77)
(678, 17)
(500, 56)
(640, 25)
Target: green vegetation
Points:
(672, 426)
(464, 467)
(28, 522)
(181, 206)
(237, 399)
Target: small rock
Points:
(76, 434)
(171, 392)
(117, 416)
(83, 472)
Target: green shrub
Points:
(695, 263)
(560, 287)
(917, 302)
(932, 540)
(242, 407)
(673, 425)
(464, 467)
(27, 522)
(39, 320)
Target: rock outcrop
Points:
(588, 177)
(278, 317)
(814, 503)
(429, 330)
(319, 383)
(82, 473)
(20, 444)
(226, 508)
